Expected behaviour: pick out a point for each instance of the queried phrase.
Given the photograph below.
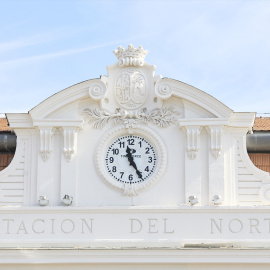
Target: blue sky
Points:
(220, 47)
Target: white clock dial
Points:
(131, 162)
(130, 159)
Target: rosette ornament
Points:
(97, 89)
(163, 89)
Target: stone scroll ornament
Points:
(163, 117)
(97, 89)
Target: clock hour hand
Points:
(132, 163)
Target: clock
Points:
(133, 161)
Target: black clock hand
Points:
(132, 163)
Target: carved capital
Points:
(70, 142)
(215, 141)
(193, 141)
(46, 141)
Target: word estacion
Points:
(46, 226)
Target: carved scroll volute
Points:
(193, 140)
(163, 89)
(97, 89)
(46, 142)
(70, 142)
(215, 141)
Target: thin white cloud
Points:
(27, 41)
(26, 60)
(41, 38)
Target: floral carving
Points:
(161, 117)
(102, 117)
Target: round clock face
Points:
(131, 162)
(131, 159)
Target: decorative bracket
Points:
(216, 141)
(193, 140)
(46, 137)
(70, 142)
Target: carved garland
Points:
(161, 117)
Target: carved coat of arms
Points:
(130, 89)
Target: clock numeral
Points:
(114, 169)
(140, 143)
(115, 151)
(122, 173)
(122, 144)
(130, 177)
(150, 159)
(147, 169)
(111, 159)
(130, 141)
(147, 150)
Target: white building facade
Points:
(132, 171)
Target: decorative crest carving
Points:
(130, 88)
(130, 56)
(161, 117)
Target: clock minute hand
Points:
(132, 163)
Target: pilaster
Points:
(69, 163)
(192, 163)
(216, 165)
(45, 163)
